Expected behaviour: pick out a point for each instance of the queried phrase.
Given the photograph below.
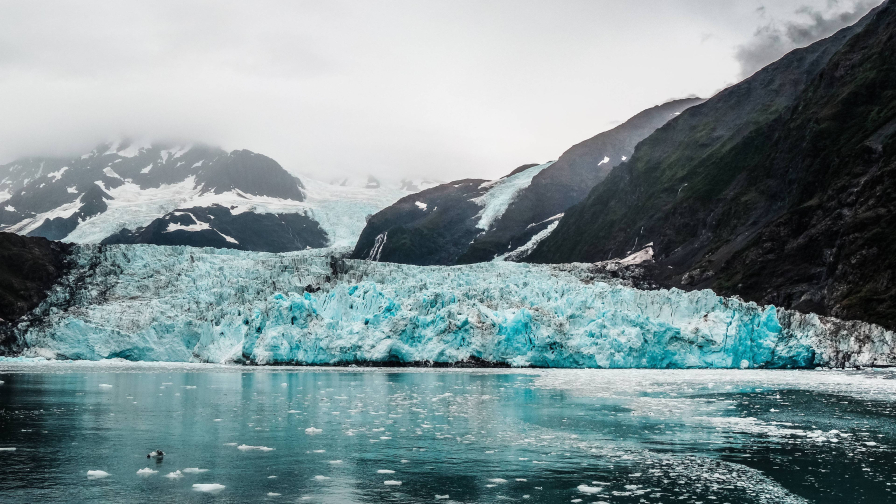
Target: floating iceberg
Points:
(181, 304)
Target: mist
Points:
(777, 38)
(441, 90)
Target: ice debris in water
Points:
(175, 475)
(105, 385)
(589, 489)
(440, 497)
(321, 478)
(146, 472)
(258, 448)
(194, 470)
(208, 487)
(385, 471)
(222, 305)
(392, 483)
(94, 474)
(273, 494)
(312, 431)
(7, 448)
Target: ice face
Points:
(143, 302)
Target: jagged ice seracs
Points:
(181, 304)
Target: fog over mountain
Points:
(448, 90)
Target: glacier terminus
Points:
(183, 304)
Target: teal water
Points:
(483, 436)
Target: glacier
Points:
(183, 304)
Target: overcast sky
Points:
(443, 89)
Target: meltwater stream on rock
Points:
(78, 432)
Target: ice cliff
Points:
(144, 302)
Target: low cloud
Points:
(775, 39)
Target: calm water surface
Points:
(483, 436)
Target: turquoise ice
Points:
(181, 304)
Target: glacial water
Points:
(80, 432)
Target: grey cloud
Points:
(773, 40)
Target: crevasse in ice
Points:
(144, 302)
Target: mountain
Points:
(131, 192)
(778, 189)
(478, 220)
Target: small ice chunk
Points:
(321, 478)
(229, 444)
(258, 448)
(272, 477)
(385, 471)
(105, 385)
(440, 497)
(589, 489)
(7, 448)
(392, 483)
(146, 472)
(273, 494)
(335, 461)
(312, 431)
(208, 487)
(97, 474)
(497, 480)
(194, 470)
(174, 475)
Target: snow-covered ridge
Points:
(151, 303)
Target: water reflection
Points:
(440, 436)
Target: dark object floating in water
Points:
(156, 454)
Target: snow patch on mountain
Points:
(56, 175)
(64, 211)
(520, 253)
(501, 194)
(134, 148)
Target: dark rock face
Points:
(218, 227)
(428, 228)
(439, 225)
(29, 267)
(250, 173)
(778, 189)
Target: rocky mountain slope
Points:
(129, 192)
(779, 189)
(29, 268)
(477, 220)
